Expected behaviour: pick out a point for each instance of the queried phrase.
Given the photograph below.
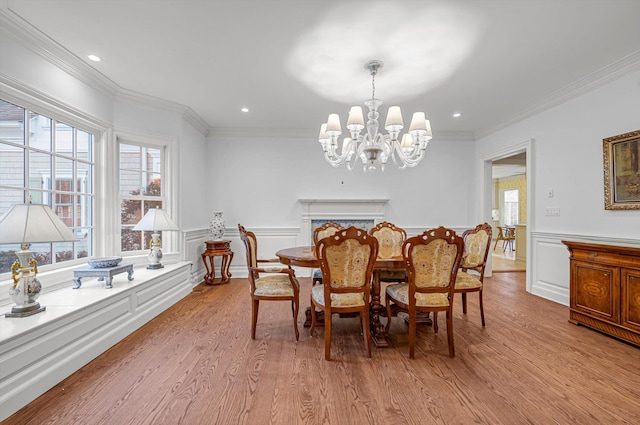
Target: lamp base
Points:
(154, 266)
(25, 311)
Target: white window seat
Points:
(39, 351)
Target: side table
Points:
(105, 274)
(215, 249)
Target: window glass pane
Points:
(64, 251)
(152, 204)
(8, 197)
(84, 178)
(11, 123)
(130, 182)
(41, 252)
(131, 240)
(130, 157)
(64, 139)
(152, 160)
(39, 197)
(12, 165)
(83, 145)
(64, 174)
(511, 207)
(65, 212)
(84, 206)
(153, 186)
(8, 256)
(141, 189)
(84, 242)
(39, 170)
(39, 131)
(130, 211)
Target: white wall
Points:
(567, 156)
(257, 182)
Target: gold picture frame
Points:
(622, 171)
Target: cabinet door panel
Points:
(631, 299)
(595, 290)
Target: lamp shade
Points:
(156, 219)
(33, 223)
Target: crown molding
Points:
(597, 79)
(186, 112)
(35, 40)
(261, 133)
(454, 136)
(36, 100)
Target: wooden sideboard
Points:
(605, 289)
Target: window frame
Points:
(63, 168)
(169, 171)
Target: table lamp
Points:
(25, 224)
(155, 220)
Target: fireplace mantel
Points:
(335, 209)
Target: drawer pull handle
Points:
(593, 254)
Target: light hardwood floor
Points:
(196, 364)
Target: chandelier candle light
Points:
(372, 147)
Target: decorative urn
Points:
(217, 226)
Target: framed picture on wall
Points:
(622, 171)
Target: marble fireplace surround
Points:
(366, 211)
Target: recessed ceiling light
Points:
(245, 109)
(94, 58)
(457, 115)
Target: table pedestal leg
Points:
(378, 334)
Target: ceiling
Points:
(292, 62)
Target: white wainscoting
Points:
(39, 351)
(550, 262)
(192, 247)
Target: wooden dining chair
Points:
(507, 235)
(327, 229)
(470, 278)
(390, 239)
(346, 260)
(432, 260)
(276, 283)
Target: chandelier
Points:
(373, 148)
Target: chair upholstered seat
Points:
(275, 286)
(326, 230)
(400, 292)
(346, 259)
(477, 242)
(466, 280)
(269, 281)
(337, 300)
(432, 260)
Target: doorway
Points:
(509, 212)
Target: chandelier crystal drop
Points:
(373, 148)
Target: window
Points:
(141, 172)
(511, 207)
(46, 161)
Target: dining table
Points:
(305, 256)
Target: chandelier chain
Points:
(373, 85)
